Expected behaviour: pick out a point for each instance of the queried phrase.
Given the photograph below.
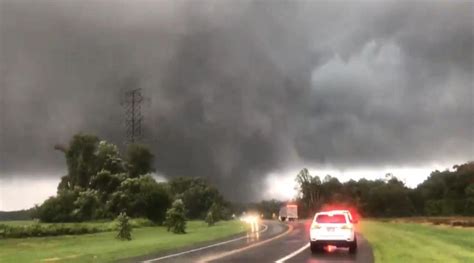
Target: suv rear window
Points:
(336, 219)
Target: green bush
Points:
(41, 230)
(59, 208)
(58, 229)
(141, 222)
(124, 227)
(210, 219)
(175, 217)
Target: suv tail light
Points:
(315, 226)
(346, 227)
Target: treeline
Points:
(441, 194)
(16, 215)
(101, 184)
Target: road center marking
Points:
(293, 254)
(265, 228)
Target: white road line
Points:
(265, 228)
(293, 254)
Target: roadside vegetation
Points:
(105, 247)
(101, 183)
(415, 242)
(107, 194)
(124, 227)
(454, 221)
(443, 193)
(108, 197)
(175, 218)
(31, 228)
(446, 197)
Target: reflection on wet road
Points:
(254, 234)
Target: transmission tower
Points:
(132, 100)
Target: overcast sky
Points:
(238, 91)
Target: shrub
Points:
(210, 219)
(124, 227)
(141, 222)
(59, 208)
(175, 217)
(58, 229)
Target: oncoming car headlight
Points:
(250, 219)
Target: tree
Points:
(210, 219)
(446, 193)
(175, 217)
(157, 200)
(85, 157)
(331, 190)
(197, 195)
(81, 159)
(99, 184)
(140, 160)
(390, 199)
(109, 159)
(469, 206)
(106, 183)
(372, 198)
(87, 205)
(124, 227)
(217, 211)
(59, 208)
(141, 197)
(309, 188)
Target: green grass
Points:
(104, 247)
(411, 242)
(22, 229)
(100, 223)
(18, 222)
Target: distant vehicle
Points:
(250, 218)
(288, 212)
(332, 228)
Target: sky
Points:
(243, 93)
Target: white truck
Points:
(288, 212)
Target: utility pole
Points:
(132, 100)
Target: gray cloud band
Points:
(238, 89)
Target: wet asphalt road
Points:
(272, 242)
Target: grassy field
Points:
(464, 221)
(412, 242)
(23, 229)
(100, 224)
(104, 247)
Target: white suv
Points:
(332, 228)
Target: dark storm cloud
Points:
(238, 89)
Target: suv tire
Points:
(353, 246)
(316, 248)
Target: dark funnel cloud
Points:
(238, 89)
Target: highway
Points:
(271, 242)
